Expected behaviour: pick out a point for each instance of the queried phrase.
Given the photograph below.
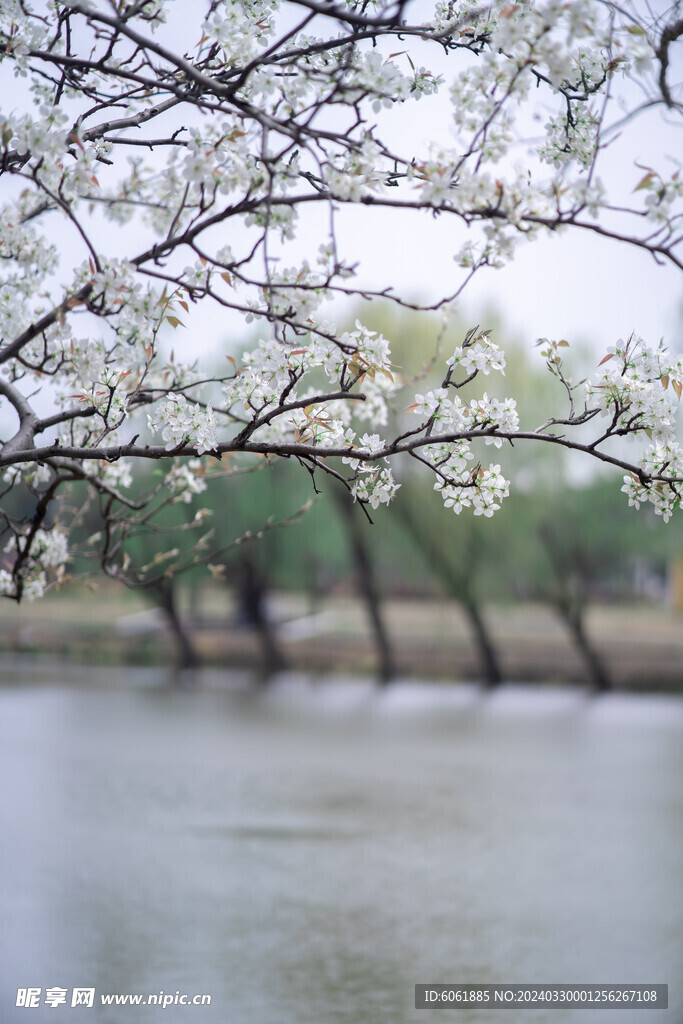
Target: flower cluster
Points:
(361, 172)
(665, 496)
(661, 196)
(482, 356)
(573, 139)
(482, 490)
(184, 423)
(186, 479)
(267, 382)
(455, 421)
(484, 415)
(639, 389)
(238, 27)
(47, 554)
(294, 293)
(376, 487)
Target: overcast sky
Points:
(574, 285)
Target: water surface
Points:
(308, 854)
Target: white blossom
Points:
(182, 422)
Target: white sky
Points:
(574, 285)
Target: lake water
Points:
(308, 854)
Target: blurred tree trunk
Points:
(457, 583)
(367, 584)
(570, 600)
(252, 589)
(572, 614)
(487, 653)
(164, 594)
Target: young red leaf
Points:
(644, 181)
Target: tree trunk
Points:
(164, 593)
(386, 666)
(487, 654)
(457, 585)
(252, 593)
(570, 604)
(573, 616)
